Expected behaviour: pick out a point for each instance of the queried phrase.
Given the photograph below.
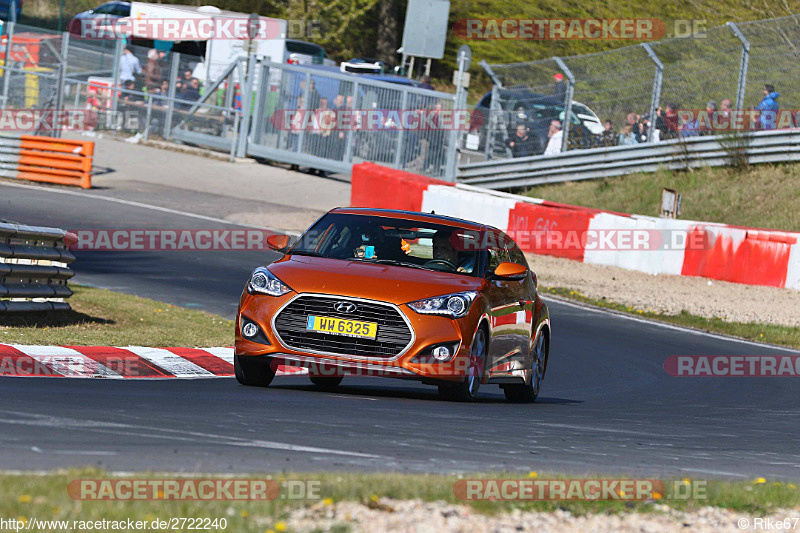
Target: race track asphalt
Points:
(607, 404)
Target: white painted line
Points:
(592, 309)
(147, 206)
(172, 363)
(66, 361)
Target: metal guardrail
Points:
(755, 147)
(34, 269)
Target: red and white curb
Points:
(111, 362)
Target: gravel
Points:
(671, 294)
(416, 516)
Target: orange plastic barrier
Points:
(52, 160)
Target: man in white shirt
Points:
(129, 66)
(556, 135)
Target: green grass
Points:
(763, 196)
(45, 497)
(772, 334)
(105, 318)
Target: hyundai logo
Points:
(345, 307)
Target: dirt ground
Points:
(436, 517)
(671, 294)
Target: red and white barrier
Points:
(690, 248)
(120, 363)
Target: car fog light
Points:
(249, 329)
(441, 353)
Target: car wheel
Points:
(254, 373)
(467, 390)
(528, 392)
(325, 382)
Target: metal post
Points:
(452, 148)
(655, 98)
(119, 47)
(247, 100)
(260, 107)
(62, 76)
(495, 109)
(235, 136)
(6, 61)
(173, 78)
(348, 147)
(567, 102)
(301, 136)
(398, 157)
(148, 117)
(742, 65)
(77, 86)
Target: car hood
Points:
(373, 281)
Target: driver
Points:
(443, 250)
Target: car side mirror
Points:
(510, 271)
(279, 243)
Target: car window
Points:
(393, 241)
(121, 10)
(486, 101)
(497, 255)
(104, 9)
(515, 254)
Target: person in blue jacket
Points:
(768, 107)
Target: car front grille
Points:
(393, 335)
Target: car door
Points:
(504, 313)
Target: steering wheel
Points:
(444, 262)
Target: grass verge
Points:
(768, 333)
(724, 195)
(45, 497)
(105, 318)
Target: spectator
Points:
(725, 108)
(152, 69)
(632, 120)
(641, 128)
(660, 126)
(671, 122)
(609, 136)
(313, 95)
(187, 76)
(706, 127)
(521, 144)
(556, 136)
(126, 96)
(768, 107)
(191, 93)
(627, 137)
(129, 67)
(560, 88)
(426, 83)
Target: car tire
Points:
(528, 392)
(467, 390)
(326, 382)
(253, 373)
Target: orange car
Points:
(396, 293)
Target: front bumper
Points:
(427, 331)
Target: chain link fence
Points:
(646, 92)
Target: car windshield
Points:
(393, 241)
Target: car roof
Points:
(415, 216)
(390, 78)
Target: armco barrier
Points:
(47, 159)
(729, 253)
(34, 268)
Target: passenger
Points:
(443, 250)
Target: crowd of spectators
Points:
(669, 123)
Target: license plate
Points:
(339, 326)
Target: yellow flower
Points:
(327, 501)
(657, 496)
(759, 481)
(23, 519)
(687, 481)
(374, 497)
(244, 513)
(25, 498)
(280, 526)
(533, 474)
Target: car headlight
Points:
(452, 305)
(263, 281)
